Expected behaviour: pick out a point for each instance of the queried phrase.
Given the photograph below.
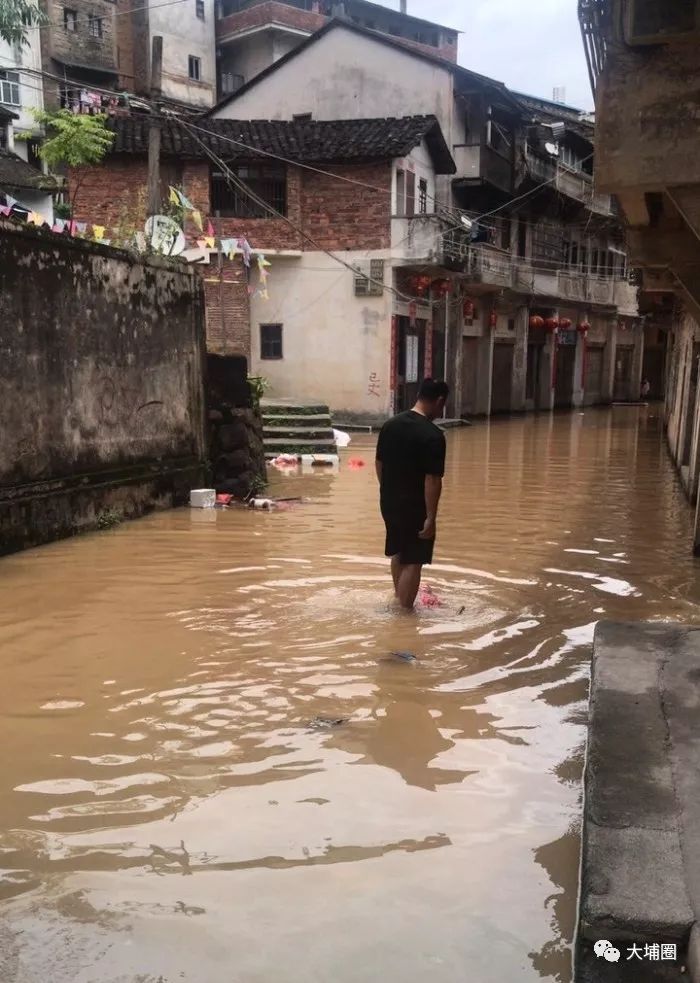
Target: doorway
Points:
(564, 383)
(623, 374)
(411, 362)
(501, 378)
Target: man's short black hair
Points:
(433, 389)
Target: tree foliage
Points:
(73, 140)
(16, 19)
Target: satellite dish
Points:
(552, 149)
(165, 235)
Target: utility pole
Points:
(154, 126)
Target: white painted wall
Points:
(343, 76)
(184, 34)
(337, 346)
(31, 97)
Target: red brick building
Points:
(339, 197)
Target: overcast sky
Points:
(531, 46)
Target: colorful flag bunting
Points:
(98, 232)
(81, 227)
(210, 229)
(5, 209)
(197, 219)
(58, 225)
(185, 201)
(244, 246)
(173, 196)
(210, 242)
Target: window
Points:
(195, 68)
(302, 117)
(199, 5)
(267, 182)
(400, 191)
(270, 341)
(9, 88)
(94, 26)
(70, 19)
(33, 157)
(410, 193)
(422, 196)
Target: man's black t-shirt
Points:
(409, 447)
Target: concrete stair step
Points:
(290, 409)
(276, 446)
(298, 433)
(296, 420)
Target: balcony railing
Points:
(573, 184)
(595, 18)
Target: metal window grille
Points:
(95, 26)
(70, 19)
(266, 181)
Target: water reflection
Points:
(206, 718)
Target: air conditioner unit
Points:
(369, 278)
(661, 21)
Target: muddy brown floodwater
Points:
(172, 807)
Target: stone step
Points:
(303, 419)
(289, 409)
(274, 446)
(299, 433)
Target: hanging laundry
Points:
(98, 232)
(244, 246)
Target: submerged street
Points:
(215, 770)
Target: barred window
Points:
(267, 182)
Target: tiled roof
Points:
(17, 173)
(302, 141)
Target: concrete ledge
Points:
(640, 878)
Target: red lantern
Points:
(441, 287)
(493, 319)
(583, 328)
(536, 321)
(564, 323)
(468, 309)
(551, 323)
(419, 284)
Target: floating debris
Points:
(404, 656)
(325, 723)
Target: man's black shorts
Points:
(402, 541)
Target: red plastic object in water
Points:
(355, 463)
(223, 499)
(428, 598)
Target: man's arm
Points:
(433, 491)
(379, 455)
(378, 469)
(434, 470)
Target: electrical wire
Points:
(241, 186)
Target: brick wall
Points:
(335, 214)
(125, 45)
(232, 336)
(338, 215)
(80, 47)
(310, 22)
(269, 13)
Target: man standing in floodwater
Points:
(410, 466)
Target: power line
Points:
(236, 182)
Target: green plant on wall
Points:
(72, 141)
(258, 388)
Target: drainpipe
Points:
(403, 6)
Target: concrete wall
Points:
(184, 34)
(682, 405)
(101, 375)
(336, 346)
(343, 76)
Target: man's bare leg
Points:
(396, 568)
(409, 582)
